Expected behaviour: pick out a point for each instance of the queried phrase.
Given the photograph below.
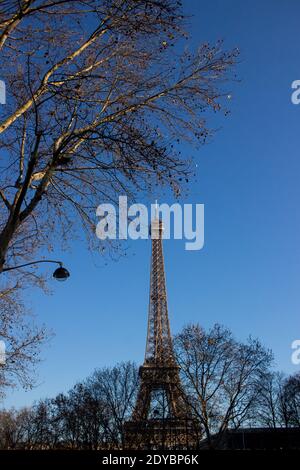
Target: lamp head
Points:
(61, 274)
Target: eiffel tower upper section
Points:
(159, 349)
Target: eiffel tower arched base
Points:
(175, 429)
(158, 434)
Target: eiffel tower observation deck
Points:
(161, 418)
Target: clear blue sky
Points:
(247, 276)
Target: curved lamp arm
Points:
(33, 262)
(60, 273)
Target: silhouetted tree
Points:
(227, 384)
(270, 406)
(117, 387)
(279, 400)
(221, 377)
(291, 400)
(15, 428)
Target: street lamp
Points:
(60, 273)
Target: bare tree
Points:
(279, 400)
(89, 416)
(225, 388)
(221, 377)
(117, 387)
(290, 399)
(15, 427)
(78, 419)
(22, 339)
(270, 408)
(45, 427)
(97, 102)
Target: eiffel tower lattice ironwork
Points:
(161, 416)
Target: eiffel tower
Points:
(161, 417)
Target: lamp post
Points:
(60, 273)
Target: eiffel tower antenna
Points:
(160, 418)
